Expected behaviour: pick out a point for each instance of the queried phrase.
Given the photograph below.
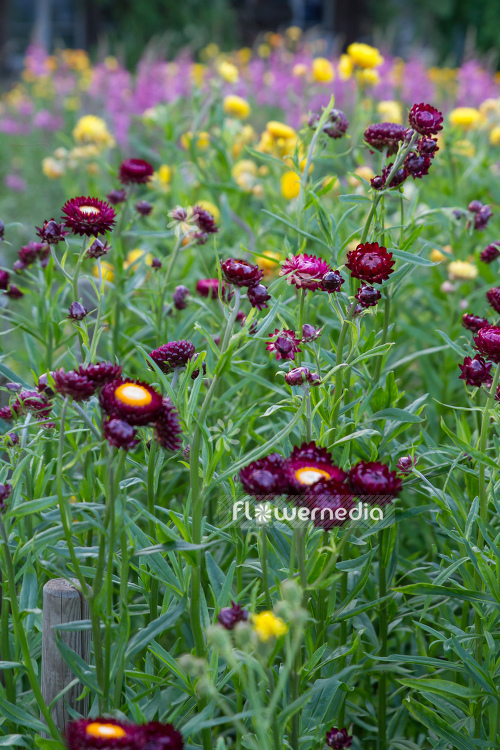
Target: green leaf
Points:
(141, 639)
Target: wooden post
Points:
(62, 602)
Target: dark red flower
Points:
(474, 322)
(98, 249)
(88, 216)
(167, 428)
(135, 171)
(493, 297)
(100, 373)
(204, 220)
(425, 119)
(180, 294)
(14, 292)
(487, 343)
(144, 208)
(329, 503)
(383, 135)
(285, 344)
(208, 288)
(482, 217)
(308, 464)
(156, 263)
(491, 252)
(104, 734)
(51, 233)
(301, 375)
(371, 478)
(377, 182)
(265, 477)
(241, 272)
(305, 271)
(173, 354)
(335, 126)
(2, 230)
(476, 371)
(370, 262)
(427, 146)
(134, 401)
(77, 311)
(406, 464)
(120, 434)
(417, 165)
(228, 617)
(331, 281)
(4, 280)
(368, 296)
(474, 206)
(310, 333)
(116, 196)
(338, 739)
(161, 737)
(12, 438)
(28, 254)
(5, 490)
(258, 296)
(72, 384)
(397, 178)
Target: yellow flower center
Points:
(106, 731)
(133, 394)
(89, 210)
(310, 474)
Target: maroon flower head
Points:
(301, 375)
(335, 126)
(51, 233)
(167, 428)
(338, 739)
(98, 249)
(208, 288)
(493, 297)
(72, 384)
(329, 503)
(204, 220)
(88, 216)
(34, 402)
(77, 311)
(310, 333)
(134, 401)
(474, 206)
(482, 217)
(331, 281)
(368, 296)
(308, 464)
(406, 464)
(2, 230)
(12, 438)
(5, 490)
(103, 734)
(265, 477)
(28, 254)
(136, 171)
(4, 280)
(370, 262)
(476, 371)
(241, 272)
(173, 354)
(161, 737)
(285, 344)
(179, 296)
(397, 178)
(427, 146)
(371, 478)
(228, 617)
(144, 208)
(474, 322)
(417, 165)
(14, 292)
(385, 135)
(425, 119)
(487, 343)
(377, 182)
(156, 263)
(100, 373)
(120, 434)
(304, 271)
(258, 296)
(116, 196)
(491, 252)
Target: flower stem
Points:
(339, 376)
(382, 684)
(387, 315)
(265, 572)
(153, 603)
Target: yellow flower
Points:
(134, 258)
(345, 67)
(462, 271)
(111, 62)
(464, 148)
(263, 50)
(236, 106)
(294, 33)
(465, 117)
(92, 129)
(202, 140)
(299, 70)
(211, 50)
(368, 77)
(228, 72)
(364, 55)
(246, 135)
(266, 625)
(108, 271)
(244, 55)
(245, 174)
(269, 263)
(322, 70)
(72, 103)
(365, 172)
(210, 207)
(391, 111)
(290, 185)
(495, 136)
(198, 73)
(279, 129)
(437, 256)
(489, 107)
(53, 168)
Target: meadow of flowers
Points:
(242, 299)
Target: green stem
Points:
(387, 315)
(339, 376)
(7, 674)
(382, 685)
(153, 603)
(265, 571)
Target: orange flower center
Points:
(133, 394)
(89, 210)
(310, 474)
(106, 731)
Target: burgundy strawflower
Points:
(77, 311)
(135, 171)
(28, 254)
(134, 401)
(371, 478)
(370, 262)
(385, 135)
(301, 375)
(51, 233)
(487, 343)
(103, 734)
(493, 297)
(258, 296)
(116, 196)
(417, 165)
(482, 217)
(4, 280)
(474, 322)
(2, 230)
(156, 263)
(27, 401)
(88, 216)
(5, 490)
(335, 126)
(12, 438)
(167, 428)
(180, 294)
(14, 292)
(71, 383)
(397, 178)
(427, 146)
(338, 739)
(377, 182)
(265, 477)
(406, 464)
(331, 281)
(285, 344)
(100, 373)
(19, 266)
(328, 501)
(204, 220)
(228, 617)
(43, 386)
(368, 296)
(241, 272)
(120, 434)
(491, 252)
(208, 288)
(144, 208)
(173, 354)
(425, 119)
(179, 213)
(474, 206)
(98, 248)
(476, 371)
(304, 271)
(161, 737)
(308, 463)
(310, 333)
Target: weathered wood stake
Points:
(62, 602)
